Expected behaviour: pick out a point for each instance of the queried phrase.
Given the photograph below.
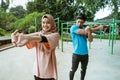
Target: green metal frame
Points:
(65, 30)
(112, 35)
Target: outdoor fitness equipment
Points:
(65, 31)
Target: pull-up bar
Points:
(65, 28)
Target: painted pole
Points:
(35, 24)
(113, 27)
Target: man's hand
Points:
(101, 27)
(89, 33)
(88, 30)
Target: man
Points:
(80, 34)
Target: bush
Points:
(32, 29)
(25, 23)
(117, 37)
(2, 32)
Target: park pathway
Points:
(17, 63)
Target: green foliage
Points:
(4, 5)
(32, 29)
(106, 36)
(2, 32)
(118, 37)
(66, 10)
(57, 8)
(24, 23)
(18, 11)
(67, 37)
(30, 7)
(6, 19)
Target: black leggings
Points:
(37, 78)
(75, 62)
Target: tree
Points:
(25, 23)
(31, 7)
(115, 4)
(71, 8)
(5, 5)
(6, 19)
(58, 8)
(18, 11)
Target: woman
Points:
(45, 43)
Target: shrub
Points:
(32, 29)
(2, 32)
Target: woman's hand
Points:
(18, 39)
(22, 40)
(14, 37)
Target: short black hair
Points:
(81, 16)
